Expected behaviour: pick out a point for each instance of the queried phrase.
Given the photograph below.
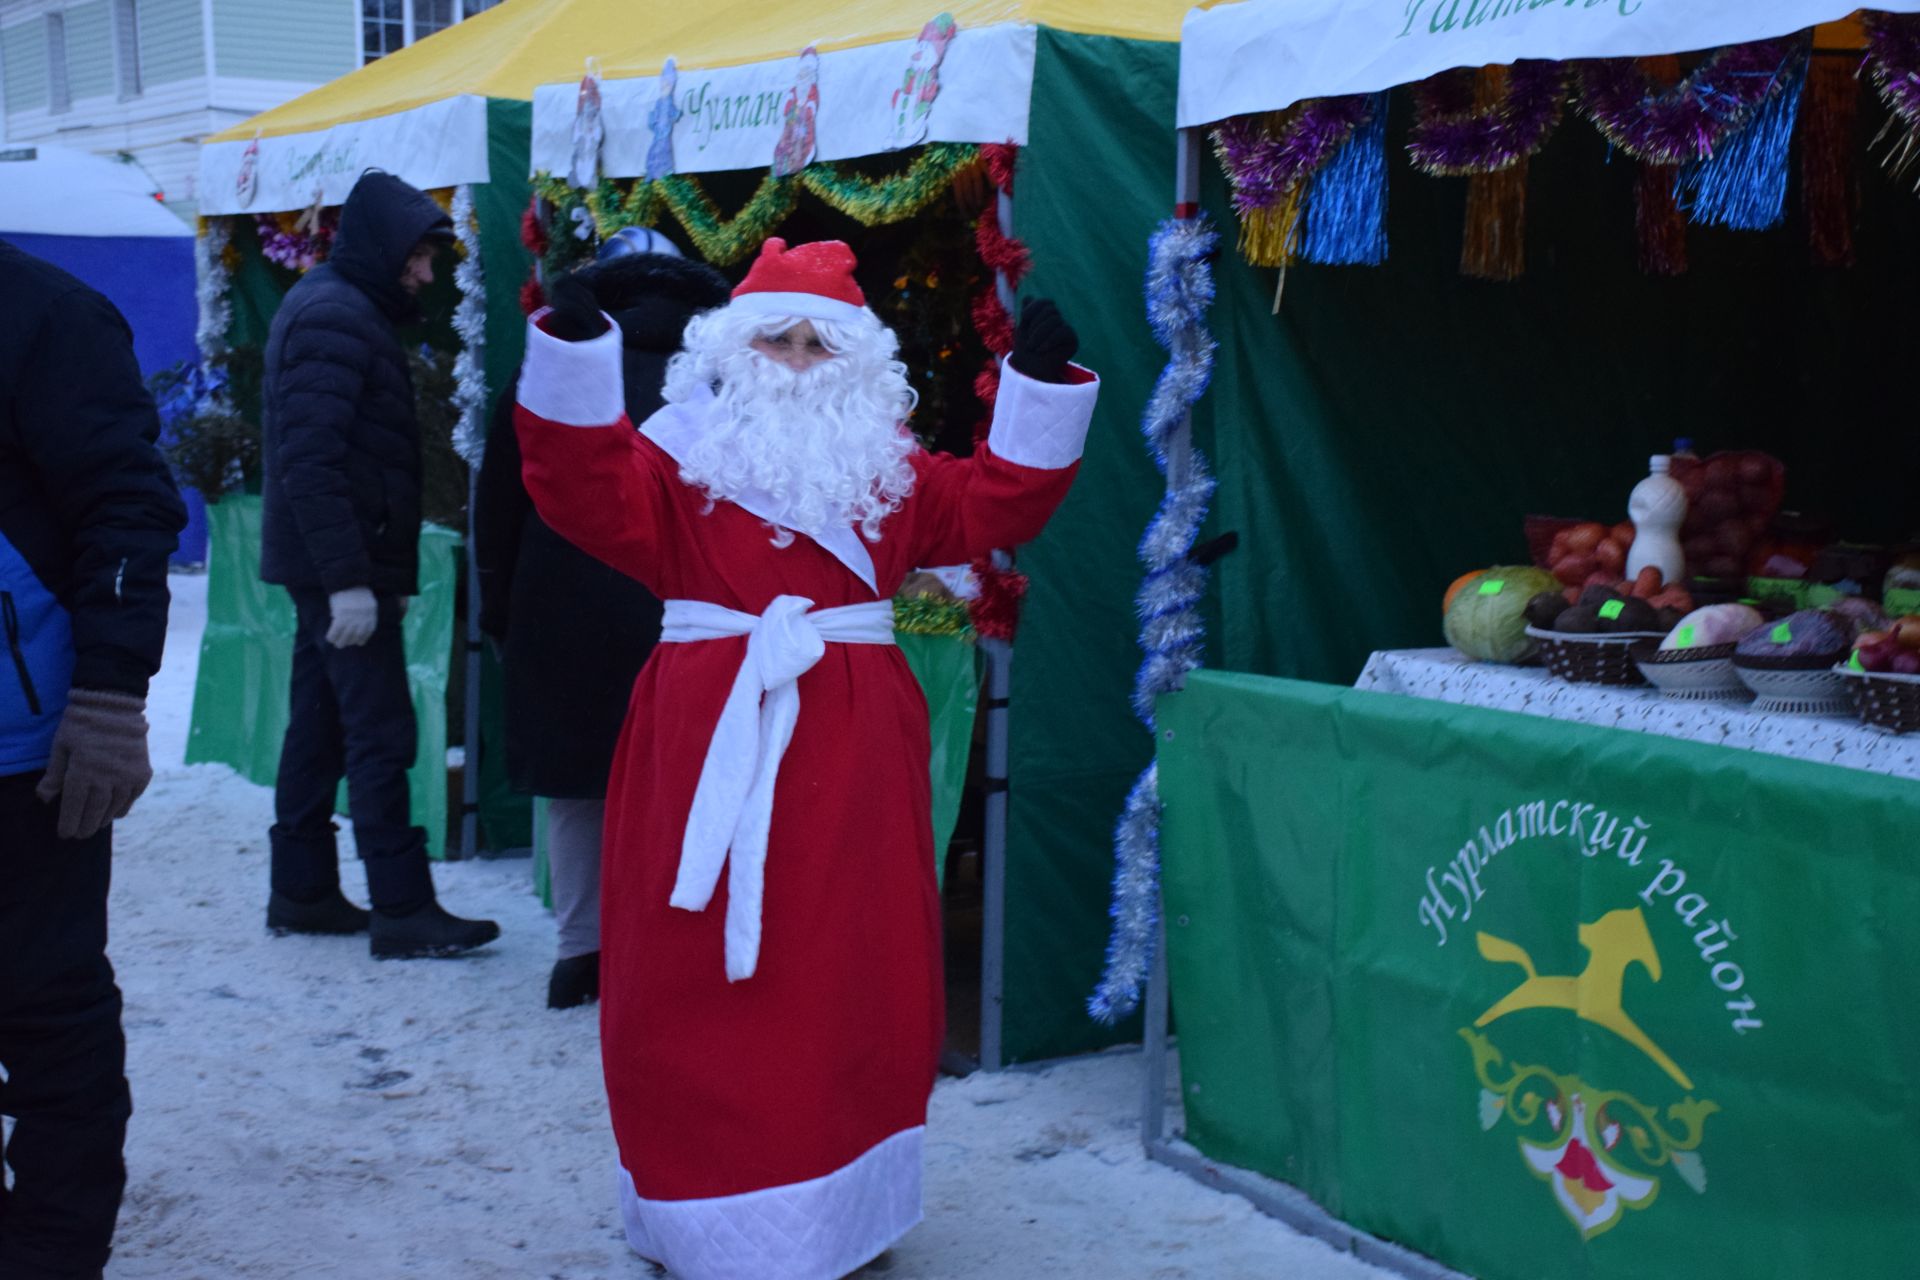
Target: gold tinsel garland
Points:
(723, 240)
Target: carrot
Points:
(1647, 584)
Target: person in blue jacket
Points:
(340, 530)
(88, 517)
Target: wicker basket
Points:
(1691, 675)
(1593, 659)
(1793, 691)
(1886, 701)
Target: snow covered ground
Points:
(302, 1112)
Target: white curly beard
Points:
(826, 447)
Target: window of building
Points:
(59, 92)
(430, 16)
(383, 27)
(126, 47)
(387, 25)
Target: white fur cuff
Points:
(1042, 425)
(576, 384)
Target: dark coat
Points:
(341, 447)
(88, 510)
(576, 632)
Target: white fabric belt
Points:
(733, 804)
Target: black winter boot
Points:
(426, 932)
(329, 914)
(575, 981)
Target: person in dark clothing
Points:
(573, 632)
(88, 517)
(340, 530)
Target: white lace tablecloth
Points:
(1446, 676)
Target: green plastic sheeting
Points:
(948, 674)
(1541, 999)
(1093, 183)
(246, 660)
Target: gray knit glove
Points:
(99, 765)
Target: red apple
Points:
(1877, 656)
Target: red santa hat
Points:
(807, 282)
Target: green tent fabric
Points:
(1393, 426)
(1094, 181)
(246, 660)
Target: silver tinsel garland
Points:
(470, 324)
(212, 287)
(1179, 291)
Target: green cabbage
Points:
(1487, 620)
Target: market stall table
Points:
(1538, 997)
(1447, 676)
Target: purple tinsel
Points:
(295, 250)
(1266, 166)
(1689, 120)
(1451, 141)
(1893, 55)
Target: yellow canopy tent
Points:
(1086, 87)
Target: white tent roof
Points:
(56, 191)
(1264, 55)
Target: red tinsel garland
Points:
(1001, 158)
(532, 296)
(533, 232)
(996, 610)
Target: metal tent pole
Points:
(993, 844)
(470, 769)
(1186, 198)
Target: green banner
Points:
(1541, 999)
(246, 660)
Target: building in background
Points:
(151, 78)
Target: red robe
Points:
(770, 1128)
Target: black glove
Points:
(575, 316)
(1044, 344)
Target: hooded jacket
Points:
(575, 632)
(88, 511)
(341, 443)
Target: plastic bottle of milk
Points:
(1657, 507)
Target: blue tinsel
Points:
(1346, 219)
(1743, 185)
(1179, 291)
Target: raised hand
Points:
(574, 315)
(1044, 344)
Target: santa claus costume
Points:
(770, 1035)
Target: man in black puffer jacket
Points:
(575, 632)
(340, 529)
(88, 517)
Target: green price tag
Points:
(1493, 586)
(1613, 609)
(1854, 661)
(1782, 634)
(1683, 638)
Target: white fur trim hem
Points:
(821, 1229)
(796, 306)
(1041, 424)
(576, 384)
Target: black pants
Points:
(350, 714)
(60, 1045)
